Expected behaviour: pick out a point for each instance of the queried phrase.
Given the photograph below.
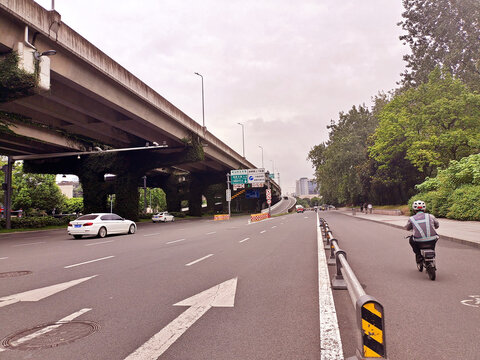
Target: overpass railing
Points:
(369, 311)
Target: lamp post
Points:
(203, 101)
(243, 137)
(262, 154)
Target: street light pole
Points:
(243, 138)
(203, 101)
(262, 155)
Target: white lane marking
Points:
(262, 232)
(98, 243)
(306, 217)
(210, 233)
(59, 323)
(3, 258)
(273, 227)
(153, 234)
(88, 262)
(330, 341)
(221, 295)
(40, 242)
(198, 260)
(474, 302)
(41, 293)
(244, 240)
(175, 241)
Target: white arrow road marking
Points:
(39, 294)
(221, 295)
(59, 323)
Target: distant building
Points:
(67, 188)
(304, 186)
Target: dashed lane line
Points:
(175, 241)
(241, 241)
(263, 232)
(98, 243)
(88, 262)
(198, 260)
(35, 243)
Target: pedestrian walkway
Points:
(466, 232)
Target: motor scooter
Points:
(427, 261)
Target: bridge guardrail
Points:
(369, 311)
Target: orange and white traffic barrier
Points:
(259, 217)
(221, 217)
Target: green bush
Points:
(465, 203)
(36, 222)
(455, 192)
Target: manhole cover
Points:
(49, 335)
(14, 274)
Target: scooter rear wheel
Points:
(431, 271)
(420, 266)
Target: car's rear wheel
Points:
(102, 232)
(131, 229)
(77, 236)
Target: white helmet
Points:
(419, 205)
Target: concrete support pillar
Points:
(172, 194)
(95, 192)
(126, 195)
(197, 185)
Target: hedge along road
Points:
(424, 319)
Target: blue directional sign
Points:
(252, 194)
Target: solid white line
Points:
(330, 341)
(153, 234)
(262, 232)
(210, 233)
(40, 242)
(88, 262)
(196, 261)
(244, 240)
(49, 328)
(98, 243)
(175, 241)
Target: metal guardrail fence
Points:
(370, 313)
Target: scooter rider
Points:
(423, 225)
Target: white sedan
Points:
(163, 216)
(100, 225)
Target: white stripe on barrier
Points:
(330, 341)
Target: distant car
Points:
(163, 217)
(299, 208)
(101, 225)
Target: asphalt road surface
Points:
(424, 319)
(226, 290)
(114, 298)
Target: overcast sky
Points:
(283, 68)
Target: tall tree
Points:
(428, 126)
(35, 191)
(443, 33)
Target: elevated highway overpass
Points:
(83, 99)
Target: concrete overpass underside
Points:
(91, 101)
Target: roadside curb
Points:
(443, 237)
